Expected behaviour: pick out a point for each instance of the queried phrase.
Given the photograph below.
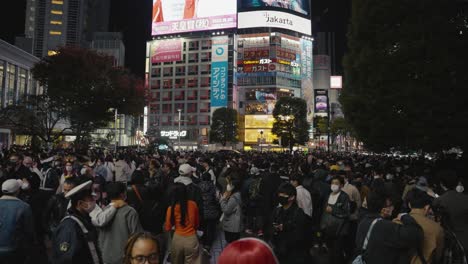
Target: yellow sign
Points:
(253, 135)
(284, 62)
(259, 121)
(251, 62)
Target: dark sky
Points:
(133, 19)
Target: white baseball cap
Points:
(11, 186)
(186, 169)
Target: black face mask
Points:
(283, 200)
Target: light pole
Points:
(115, 131)
(178, 135)
(261, 140)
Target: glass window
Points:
(193, 57)
(192, 82)
(192, 95)
(192, 107)
(205, 69)
(179, 96)
(156, 72)
(180, 70)
(167, 84)
(11, 83)
(21, 84)
(179, 83)
(155, 84)
(206, 44)
(193, 45)
(167, 71)
(205, 56)
(205, 82)
(2, 73)
(193, 70)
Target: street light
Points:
(261, 140)
(178, 135)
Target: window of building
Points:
(11, 84)
(205, 56)
(156, 72)
(167, 96)
(192, 107)
(192, 95)
(180, 70)
(192, 82)
(166, 120)
(193, 57)
(206, 44)
(204, 107)
(55, 22)
(2, 73)
(167, 71)
(204, 120)
(193, 45)
(181, 61)
(167, 84)
(192, 119)
(56, 12)
(21, 84)
(166, 108)
(55, 2)
(179, 96)
(193, 70)
(205, 69)
(205, 82)
(179, 83)
(52, 32)
(204, 94)
(155, 84)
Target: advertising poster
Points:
(321, 101)
(219, 71)
(178, 16)
(166, 50)
(306, 72)
(274, 19)
(298, 6)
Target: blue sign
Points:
(219, 72)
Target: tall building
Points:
(54, 23)
(16, 81)
(111, 44)
(239, 54)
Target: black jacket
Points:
(70, 244)
(54, 212)
(389, 243)
(210, 204)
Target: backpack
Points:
(149, 212)
(254, 189)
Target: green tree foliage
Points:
(339, 126)
(290, 121)
(405, 74)
(37, 116)
(88, 86)
(224, 127)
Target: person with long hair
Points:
(142, 247)
(183, 217)
(248, 251)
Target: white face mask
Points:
(69, 168)
(335, 188)
(25, 186)
(90, 206)
(460, 188)
(229, 187)
(83, 171)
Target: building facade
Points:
(16, 81)
(195, 68)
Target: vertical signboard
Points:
(306, 72)
(219, 71)
(321, 101)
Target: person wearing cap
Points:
(16, 224)
(193, 191)
(75, 240)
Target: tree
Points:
(340, 127)
(89, 87)
(224, 126)
(37, 116)
(290, 123)
(405, 74)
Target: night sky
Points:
(133, 19)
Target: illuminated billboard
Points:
(253, 135)
(321, 101)
(274, 19)
(259, 121)
(297, 6)
(179, 16)
(166, 50)
(219, 71)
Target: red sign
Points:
(166, 50)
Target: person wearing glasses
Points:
(142, 248)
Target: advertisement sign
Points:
(321, 101)
(263, 97)
(219, 71)
(336, 82)
(174, 134)
(275, 19)
(252, 108)
(306, 72)
(166, 50)
(298, 6)
(253, 135)
(178, 16)
(259, 121)
(252, 54)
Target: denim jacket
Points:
(16, 225)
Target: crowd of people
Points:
(139, 207)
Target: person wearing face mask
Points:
(68, 172)
(289, 223)
(15, 168)
(75, 240)
(388, 242)
(433, 244)
(114, 235)
(231, 207)
(335, 220)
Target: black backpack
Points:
(453, 252)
